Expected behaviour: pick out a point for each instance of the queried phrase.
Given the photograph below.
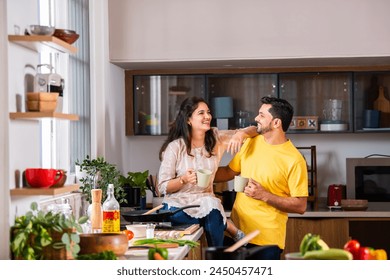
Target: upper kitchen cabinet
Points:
(342, 101)
(156, 35)
(157, 100)
(372, 101)
(245, 91)
(321, 101)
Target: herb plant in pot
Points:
(135, 187)
(38, 235)
(99, 174)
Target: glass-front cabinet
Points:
(321, 101)
(245, 92)
(157, 100)
(372, 101)
(324, 102)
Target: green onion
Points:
(161, 241)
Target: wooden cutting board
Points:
(188, 230)
(147, 246)
(382, 104)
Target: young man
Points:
(277, 175)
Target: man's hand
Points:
(256, 190)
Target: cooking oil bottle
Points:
(111, 212)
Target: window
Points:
(64, 143)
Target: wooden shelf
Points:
(41, 191)
(40, 115)
(42, 43)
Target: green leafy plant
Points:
(33, 233)
(136, 180)
(100, 174)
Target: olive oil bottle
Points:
(111, 212)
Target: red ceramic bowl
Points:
(43, 178)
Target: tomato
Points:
(353, 247)
(129, 234)
(364, 253)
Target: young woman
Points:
(191, 145)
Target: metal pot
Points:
(218, 253)
(158, 216)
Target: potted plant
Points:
(135, 182)
(38, 235)
(100, 173)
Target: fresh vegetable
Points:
(364, 253)
(161, 241)
(105, 255)
(353, 246)
(157, 254)
(312, 242)
(128, 233)
(330, 254)
(379, 254)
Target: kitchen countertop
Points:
(373, 211)
(178, 253)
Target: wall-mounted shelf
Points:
(46, 191)
(41, 43)
(40, 115)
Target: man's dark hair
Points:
(280, 109)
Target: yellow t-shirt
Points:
(280, 169)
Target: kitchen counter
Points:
(373, 211)
(178, 253)
(341, 214)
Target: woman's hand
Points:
(239, 137)
(236, 141)
(189, 176)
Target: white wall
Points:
(176, 30)
(4, 190)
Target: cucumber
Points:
(330, 254)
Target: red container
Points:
(43, 178)
(335, 195)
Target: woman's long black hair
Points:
(181, 129)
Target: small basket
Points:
(42, 101)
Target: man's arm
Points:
(285, 204)
(224, 174)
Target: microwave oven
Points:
(369, 178)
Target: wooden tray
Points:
(354, 208)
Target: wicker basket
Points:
(42, 101)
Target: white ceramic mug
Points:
(203, 177)
(240, 183)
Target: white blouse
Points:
(175, 163)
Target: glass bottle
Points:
(111, 212)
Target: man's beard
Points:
(263, 130)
